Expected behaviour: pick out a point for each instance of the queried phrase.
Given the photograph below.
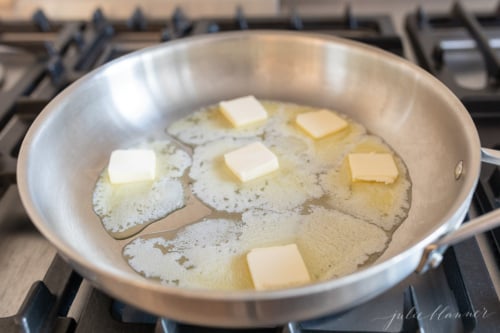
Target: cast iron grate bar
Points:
(241, 20)
(96, 35)
(457, 285)
(23, 87)
(377, 30)
(400, 301)
(31, 36)
(468, 275)
(96, 317)
(422, 18)
(350, 19)
(296, 22)
(46, 306)
(175, 327)
(41, 21)
(138, 21)
(10, 141)
(477, 282)
(67, 34)
(431, 36)
(182, 25)
(24, 26)
(474, 28)
(486, 201)
(395, 310)
(412, 322)
(54, 67)
(34, 312)
(48, 44)
(494, 184)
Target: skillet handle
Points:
(433, 253)
(490, 156)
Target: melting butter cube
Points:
(243, 111)
(277, 267)
(131, 165)
(376, 167)
(320, 123)
(251, 161)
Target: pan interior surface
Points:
(138, 96)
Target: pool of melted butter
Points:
(338, 225)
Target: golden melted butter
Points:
(339, 226)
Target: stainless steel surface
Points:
(139, 95)
(291, 328)
(433, 254)
(491, 156)
(480, 224)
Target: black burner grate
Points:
(461, 49)
(376, 30)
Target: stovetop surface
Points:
(40, 57)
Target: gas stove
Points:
(41, 56)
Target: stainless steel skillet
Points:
(142, 93)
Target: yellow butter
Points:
(251, 161)
(243, 111)
(376, 167)
(277, 267)
(320, 123)
(131, 165)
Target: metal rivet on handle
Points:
(435, 259)
(459, 169)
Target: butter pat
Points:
(277, 267)
(251, 161)
(321, 123)
(373, 167)
(243, 111)
(131, 165)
